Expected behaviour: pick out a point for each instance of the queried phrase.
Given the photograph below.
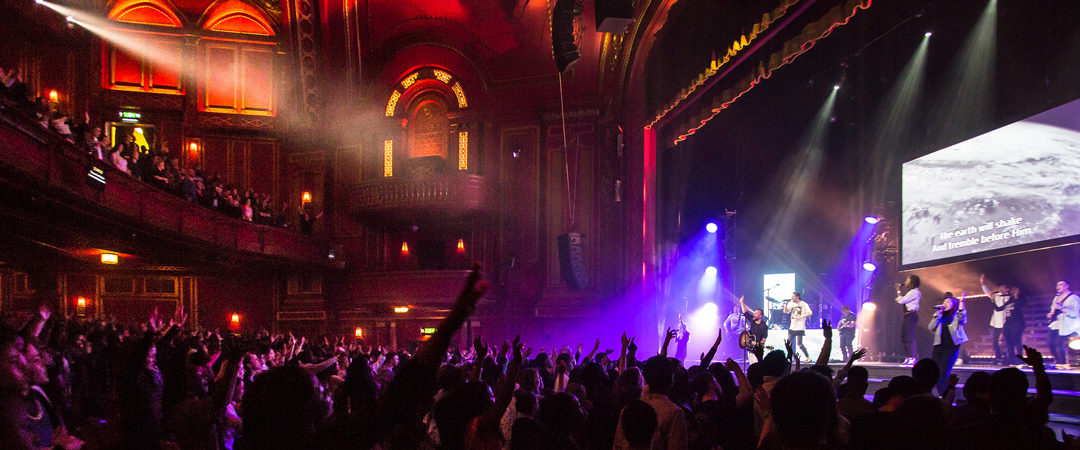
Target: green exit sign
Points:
(130, 116)
(427, 331)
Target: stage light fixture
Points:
(1074, 343)
(836, 87)
(868, 307)
(401, 309)
(928, 34)
(869, 266)
(711, 227)
(872, 220)
(711, 270)
(38, 2)
(110, 258)
(359, 333)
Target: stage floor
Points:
(1065, 383)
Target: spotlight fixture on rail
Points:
(872, 220)
(869, 266)
(711, 227)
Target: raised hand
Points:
(731, 365)
(480, 348)
(505, 347)
(1033, 358)
(982, 278)
(826, 328)
(953, 380)
(473, 290)
(517, 345)
(179, 317)
(670, 334)
(596, 346)
(858, 354)
(787, 346)
(631, 347)
(761, 398)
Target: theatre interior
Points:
(335, 169)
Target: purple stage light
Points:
(869, 266)
(872, 220)
(710, 227)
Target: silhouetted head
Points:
(639, 423)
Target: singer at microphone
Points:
(947, 326)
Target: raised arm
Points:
(842, 373)
(982, 284)
(667, 340)
(746, 392)
(705, 360)
(742, 303)
(826, 349)
(1044, 395)
(432, 354)
(911, 296)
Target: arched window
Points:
(144, 61)
(423, 100)
(238, 62)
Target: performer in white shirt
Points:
(799, 311)
(733, 325)
(910, 299)
(1003, 307)
(1064, 318)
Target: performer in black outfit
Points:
(847, 331)
(759, 328)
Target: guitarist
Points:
(759, 328)
(1064, 318)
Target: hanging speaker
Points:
(613, 16)
(572, 261)
(563, 46)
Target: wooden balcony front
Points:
(435, 196)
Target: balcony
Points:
(435, 196)
(47, 168)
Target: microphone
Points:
(938, 307)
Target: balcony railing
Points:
(452, 193)
(34, 157)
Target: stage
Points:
(1065, 383)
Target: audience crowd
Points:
(153, 164)
(70, 383)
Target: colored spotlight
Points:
(928, 34)
(836, 87)
(710, 227)
(869, 266)
(872, 220)
(711, 271)
(1074, 343)
(869, 307)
